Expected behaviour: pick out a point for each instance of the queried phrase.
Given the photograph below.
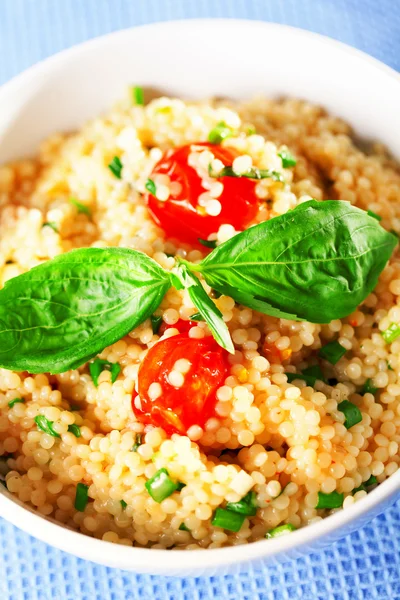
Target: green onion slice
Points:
(45, 425)
(374, 215)
(332, 352)
(332, 500)
(281, 530)
(150, 187)
(246, 506)
(75, 429)
(227, 519)
(81, 208)
(220, 132)
(207, 243)
(99, 365)
(368, 388)
(250, 130)
(161, 486)
(16, 401)
(155, 323)
(363, 487)
(52, 224)
(288, 160)
(138, 442)
(182, 527)
(123, 504)
(116, 167)
(81, 496)
(252, 173)
(351, 412)
(138, 95)
(391, 333)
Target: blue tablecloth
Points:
(363, 566)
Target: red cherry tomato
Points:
(181, 216)
(178, 408)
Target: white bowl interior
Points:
(238, 60)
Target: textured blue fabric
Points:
(364, 566)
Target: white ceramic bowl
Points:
(196, 59)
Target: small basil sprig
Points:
(318, 261)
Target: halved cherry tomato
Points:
(178, 408)
(181, 216)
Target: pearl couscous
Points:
(276, 449)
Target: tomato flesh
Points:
(178, 408)
(181, 217)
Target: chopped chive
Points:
(314, 371)
(15, 401)
(351, 412)
(332, 352)
(161, 486)
(116, 167)
(155, 323)
(45, 425)
(81, 496)
(138, 95)
(250, 130)
(391, 333)
(332, 500)
(182, 527)
(246, 506)
(374, 215)
(288, 160)
(368, 388)
(220, 132)
(309, 379)
(281, 530)
(81, 208)
(99, 365)
(208, 243)
(390, 368)
(150, 187)
(196, 317)
(75, 429)
(51, 224)
(227, 519)
(138, 442)
(252, 173)
(123, 504)
(363, 487)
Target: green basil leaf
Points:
(206, 307)
(319, 261)
(62, 313)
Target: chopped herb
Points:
(314, 371)
(374, 215)
(351, 412)
(155, 323)
(138, 95)
(116, 167)
(75, 429)
(309, 375)
(227, 519)
(81, 208)
(196, 317)
(246, 506)
(220, 132)
(138, 442)
(288, 160)
(51, 224)
(363, 487)
(281, 530)
(81, 496)
(180, 486)
(368, 388)
(123, 504)
(332, 352)
(15, 401)
(252, 173)
(208, 243)
(182, 527)
(150, 187)
(45, 425)
(390, 368)
(332, 500)
(391, 333)
(99, 365)
(161, 486)
(250, 130)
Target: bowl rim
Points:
(72, 541)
